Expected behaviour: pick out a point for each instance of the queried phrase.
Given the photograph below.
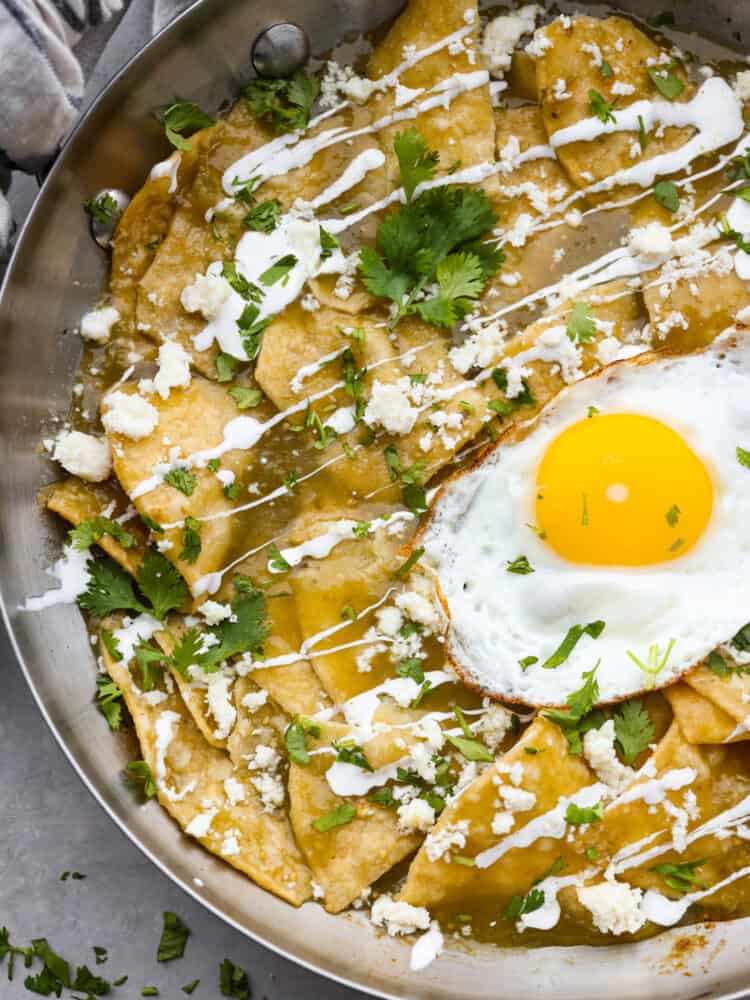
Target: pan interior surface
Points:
(56, 273)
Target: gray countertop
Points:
(51, 824)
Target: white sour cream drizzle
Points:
(72, 573)
(165, 725)
(167, 168)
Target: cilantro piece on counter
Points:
(276, 561)
(100, 954)
(55, 974)
(138, 772)
(285, 103)
(666, 82)
(600, 107)
(246, 399)
(149, 991)
(93, 985)
(182, 117)
(634, 729)
(681, 877)
(436, 238)
(578, 717)
(264, 217)
(174, 937)
(233, 981)
(295, 739)
(109, 589)
(581, 326)
(339, 816)
(226, 367)
(572, 637)
(190, 988)
(161, 583)
(101, 209)
(109, 700)
(10, 951)
(578, 815)
(416, 161)
(349, 752)
(279, 271)
(182, 480)
(667, 195)
(191, 540)
(520, 565)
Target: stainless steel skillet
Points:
(56, 273)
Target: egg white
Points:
(480, 521)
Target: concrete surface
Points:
(51, 824)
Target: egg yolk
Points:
(621, 490)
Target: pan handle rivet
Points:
(280, 50)
(112, 202)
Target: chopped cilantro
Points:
(174, 937)
(573, 635)
(150, 658)
(519, 906)
(384, 798)
(328, 243)
(634, 729)
(411, 667)
(190, 988)
(471, 749)
(264, 217)
(348, 613)
(605, 70)
(667, 195)
(100, 954)
(286, 103)
(578, 815)
(600, 107)
(109, 699)
(643, 139)
(152, 525)
(184, 117)
(743, 457)
(527, 661)
(102, 209)
(340, 816)
(279, 271)
(654, 663)
(520, 565)
(182, 480)
(681, 877)
(276, 561)
(226, 367)
(405, 568)
(246, 399)
(578, 717)
(191, 540)
(581, 327)
(666, 82)
(295, 739)
(718, 665)
(91, 984)
(138, 772)
(673, 515)
(349, 752)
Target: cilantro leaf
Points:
(109, 700)
(139, 772)
(412, 668)
(634, 729)
(276, 561)
(244, 632)
(226, 367)
(109, 589)
(578, 717)
(572, 637)
(405, 568)
(295, 739)
(149, 658)
(184, 117)
(246, 399)
(600, 107)
(91, 984)
(578, 815)
(101, 209)
(182, 480)
(681, 877)
(673, 515)
(521, 905)
(666, 82)
(380, 279)
(581, 327)
(471, 749)
(667, 195)
(285, 103)
(111, 645)
(460, 280)
(340, 816)
(520, 565)
(174, 937)
(349, 752)
(191, 540)
(743, 457)
(384, 798)
(264, 217)
(416, 162)
(160, 582)
(187, 650)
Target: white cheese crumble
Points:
(599, 751)
(83, 455)
(129, 414)
(174, 368)
(270, 787)
(493, 725)
(503, 34)
(622, 89)
(235, 791)
(215, 612)
(389, 407)
(419, 609)
(416, 816)
(652, 242)
(614, 907)
(96, 325)
(397, 917)
(206, 295)
(254, 700)
(439, 842)
(741, 85)
(220, 704)
(516, 799)
(389, 620)
(200, 825)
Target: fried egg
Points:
(615, 530)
